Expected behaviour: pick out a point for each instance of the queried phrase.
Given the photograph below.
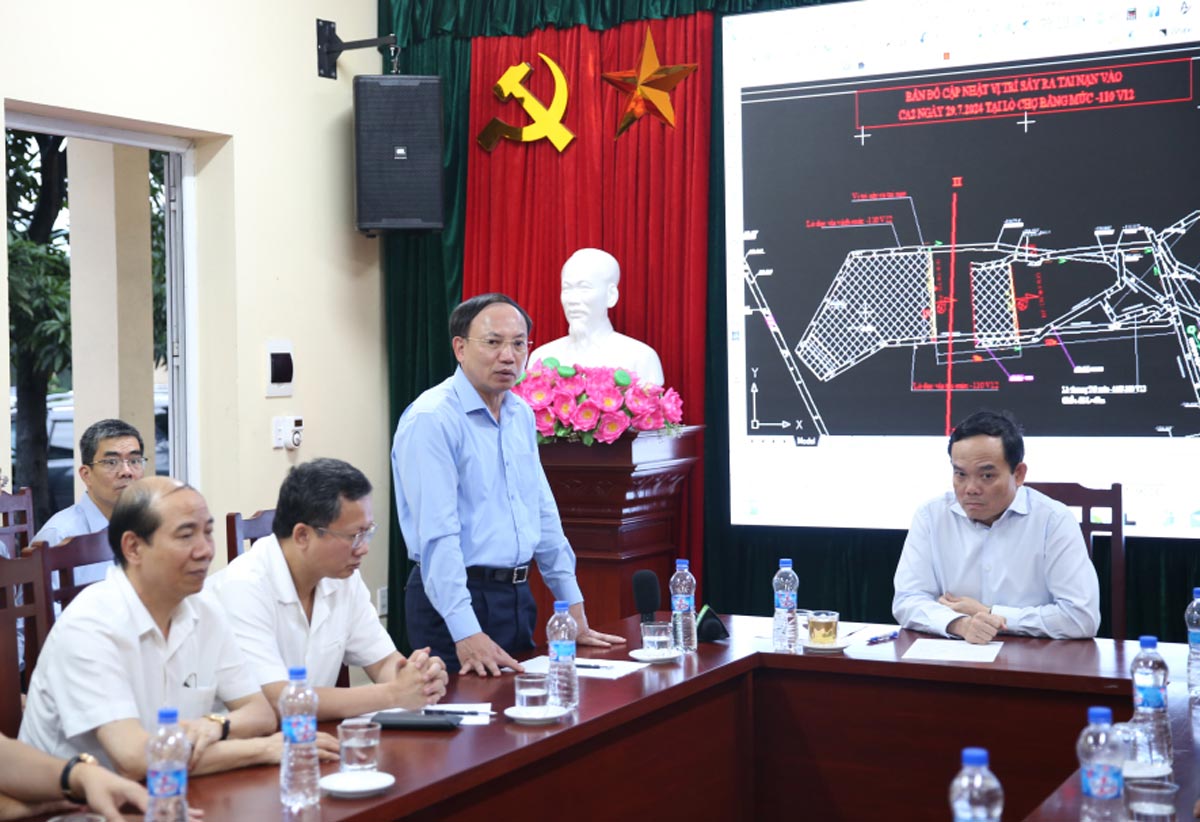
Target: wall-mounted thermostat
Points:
(287, 432)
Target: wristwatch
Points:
(223, 721)
(64, 780)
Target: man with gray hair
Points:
(146, 637)
(111, 456)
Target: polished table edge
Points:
(745, 655)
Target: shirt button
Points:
(987, 568)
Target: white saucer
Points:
(546, 715)
(351, 784)
(835, 648)
(655, 657)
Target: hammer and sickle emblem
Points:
(546, 122)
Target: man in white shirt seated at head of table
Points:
(297, 598)
(994, 555)
(146, 637)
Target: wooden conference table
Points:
(735, 732)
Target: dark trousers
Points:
(506, 613)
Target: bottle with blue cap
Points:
(683, 607)
(975, 793)
(167, 754)
(1150, 678)
(1102, 755)
(563, 679)
(1191, 616)
(785, 631)
(299, 769)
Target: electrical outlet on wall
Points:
(381, 600)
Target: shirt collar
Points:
(1018, 507)
(277, 569)
(181, 618)
(470, 399)
(96, 520)
(281, 576)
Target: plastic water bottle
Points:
(1101, 760)
(1150, 676)
(299, 770)
(561, 632)
(1191, 616)
(683, 607)
(167, 754)
(785, 583)
(975, 794)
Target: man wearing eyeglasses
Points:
(474, 504)
(297, 598)
(111, 457)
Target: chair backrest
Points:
(1086, 500)
(22, 574)
(16, 521)
(240, 531)
(64, 558)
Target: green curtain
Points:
(416, 21)
(846, 569)
(423, 281)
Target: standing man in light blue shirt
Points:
(474, 503)
(994, 555)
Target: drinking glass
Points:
(823, 627)
(533, 691)
(656, 636)
(1150, 800)
(359, 742)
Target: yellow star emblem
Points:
(648, 87)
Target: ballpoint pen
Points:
(590, 665)
(433, 709)
(882, 638)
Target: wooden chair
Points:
(16, 521)
(24, 574)
(241, 530)
(1085, 500)
(65, 558)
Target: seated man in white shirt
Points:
(297, 598)
(995, 555)
(144, 638)
(110, 458)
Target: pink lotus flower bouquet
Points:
(595, 404)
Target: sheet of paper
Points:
(952, 650)
(481, 718)
(588, 668)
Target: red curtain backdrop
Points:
(643, 197)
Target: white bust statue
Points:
(589, 289)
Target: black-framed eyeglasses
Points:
(111, 464)
(494, 345)
(356, 539)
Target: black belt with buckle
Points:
(513, 576)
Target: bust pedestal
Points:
(620, 508)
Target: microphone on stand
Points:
(646, 596)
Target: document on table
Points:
(587, 668)
(952, 650)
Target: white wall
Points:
(276, 255)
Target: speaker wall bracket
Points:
(330, 47)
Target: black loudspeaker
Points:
(397, 152)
